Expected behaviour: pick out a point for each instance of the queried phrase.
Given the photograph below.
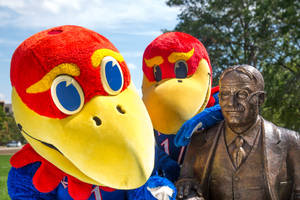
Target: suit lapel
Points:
(210, 158)
(272, 156)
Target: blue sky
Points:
(129, 24)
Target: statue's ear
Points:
(261, 97)
(258, 98)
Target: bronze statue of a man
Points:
(245, 156)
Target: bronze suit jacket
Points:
(281, 153)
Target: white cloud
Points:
(131, 66)
(133, 54)
(140, 92)
(100, 14)
(141, 33)
(3, 98)
(4, 59)
(9, 41)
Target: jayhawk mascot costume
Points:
(89, 134)
(177, 91)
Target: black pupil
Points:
(180, 70)
(157, 73)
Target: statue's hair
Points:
(249, 71)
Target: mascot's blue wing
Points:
(207, 118)
(20, 187)
(216, 97)
(143, 193)
(165, 166)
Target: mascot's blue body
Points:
(21, 187)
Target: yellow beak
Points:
(173, 101)
(118, 152)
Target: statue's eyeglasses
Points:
(242, 94)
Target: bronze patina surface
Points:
(245, 156)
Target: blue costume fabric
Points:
(20, 187)
(171, 148)
(168, 156)
(207, 118)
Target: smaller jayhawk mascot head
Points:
(177, 80)
(75, 104)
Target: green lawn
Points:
(4, 168)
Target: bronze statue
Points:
(245, 156)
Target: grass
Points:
(4, 169)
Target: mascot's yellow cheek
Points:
(171, 102)
(118, 152)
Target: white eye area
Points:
(111, 75)
(67, 94)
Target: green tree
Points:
(8, 129)
(2, 117)
(13, 130)
(261, 33)
(4, 137)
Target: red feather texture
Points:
(48, 177)
(211, 100)
(168, 43)
(43, 51)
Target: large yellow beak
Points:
(117, 153)
(173, 101)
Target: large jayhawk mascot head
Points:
(177, 80)
(76, 106)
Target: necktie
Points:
(238, 153)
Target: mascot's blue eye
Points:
(181, 69)
(111, 75)
(67, 94)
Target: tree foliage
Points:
(8, 129)
(261, 33)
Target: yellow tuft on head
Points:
(99, 54)
(175, 56)
(157, 60)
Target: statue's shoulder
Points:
(208, 134)
(282, 133)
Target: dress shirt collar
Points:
(248, 136)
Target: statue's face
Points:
(235, 91)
